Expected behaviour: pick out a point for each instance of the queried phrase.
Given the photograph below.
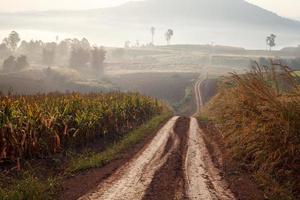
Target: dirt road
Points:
(198, 95)
(174, 165)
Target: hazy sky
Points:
(287, 8)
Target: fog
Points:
(233, 22)
(94, 50)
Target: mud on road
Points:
(132, 180)
(168, 183)
(174, 165)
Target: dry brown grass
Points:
(259, 115)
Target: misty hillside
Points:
(198, 11)
(230, 22)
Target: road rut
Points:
(203, 179)
(175, 165)
(131, 181)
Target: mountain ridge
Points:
(230, 22)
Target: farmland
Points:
(40, 125)
(62, 128)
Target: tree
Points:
(4, 51)
(63, 48)
(270, 41)
(97, 59)
(49, 52)
(152, 30)
(168, 35)
(9, 64)
(79, 57)
(12, 40)
(21, 62)
(85, 44)
(127, 44)
(32, 49)
(14, 64)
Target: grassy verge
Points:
(185, 106)
(26, 185)
(93, 160)
(258, 114)
(40, 183)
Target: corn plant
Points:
(41, 125)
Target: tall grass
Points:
(259, 115)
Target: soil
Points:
(80, 184)
(168, 183)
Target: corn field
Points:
(41, 125)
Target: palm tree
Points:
(270, 41)
(168, 35)
(152, 30)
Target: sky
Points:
(286, 8)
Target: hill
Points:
(230, 22)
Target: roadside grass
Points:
(258, 114)
(35, 184)
(26, 185)
(184, 106)
(203, 118)
(93, 160)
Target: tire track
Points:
(199, 100)
(203, 179)
(174, 165)
(132, 180)
(168, 182)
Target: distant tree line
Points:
(15, 64)
(75, 53)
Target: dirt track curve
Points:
(175, 164)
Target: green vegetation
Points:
(184, 106)
(40, 178)
(259, 116)
(27, 186)
(41, 125)
(92, 160)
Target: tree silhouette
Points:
(12, 40)
(21, 62)
(49, 53)
(4, 51)
(97, 59)
(79, 57)
(270, 41)
(13, 64)
(168, 35)
(127, 44)
(85, 44)
(152, 30)
(9, 64)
